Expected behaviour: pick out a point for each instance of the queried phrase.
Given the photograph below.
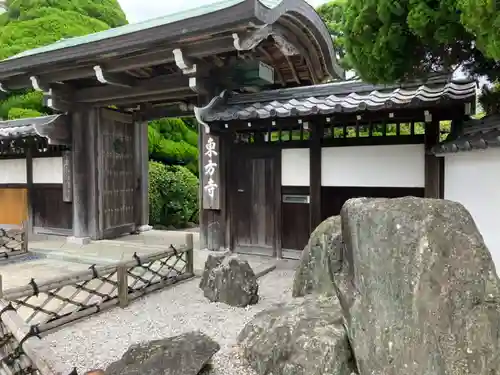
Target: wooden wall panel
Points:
(333, 198)
(13, 206)
(296, 223)
(49, 210)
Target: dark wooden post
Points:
(433, 164)
(82, 161)
(30, 190)
(315, 175)
(142, 175)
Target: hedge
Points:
(173, 195)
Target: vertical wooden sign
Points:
(211, 172)
(67, 185)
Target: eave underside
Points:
(54, 128)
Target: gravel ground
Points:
(102, 339)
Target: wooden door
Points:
(254, 211)
(117, 176)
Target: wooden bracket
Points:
(114, 79)
(184, 63)
(38, 85)
(3, 88)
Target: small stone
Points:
(230, 280)
(185, 354)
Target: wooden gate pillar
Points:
(142, 172)
(434, 166)
(84, 161)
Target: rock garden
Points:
(389, 287)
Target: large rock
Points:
(230, 280)
(186, 354)
(303, 337)
(321, 258)
(419, 289)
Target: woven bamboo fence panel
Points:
(60, 301)
(13, 242)
(22, 352)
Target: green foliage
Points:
(29, 101)
(17, 113)
(172, 142)
(173, 195)
(332, 14)
(386, 41)
(52, 26)
(29, 24)
(482, 19)
(107, 11)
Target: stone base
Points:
(144, 228)
(78, 240)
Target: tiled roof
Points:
(477, 135)
(12, 129)
(346, 96)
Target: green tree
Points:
(386, 41)
(28, 24)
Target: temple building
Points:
(284, 139)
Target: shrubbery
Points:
(173, 195)
(172, 142)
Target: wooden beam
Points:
(171, 97)
(174, 110)
(114, 79)
(152, 57)
(148, 87)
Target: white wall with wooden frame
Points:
(471, 178)
(31, 187)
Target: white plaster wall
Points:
(295, 169)
(13, 171)
(373, 166)
(472, 178)
(47, 170)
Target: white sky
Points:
(140, 10)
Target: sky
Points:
(141, 10)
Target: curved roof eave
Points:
(214, 16)
(310, 19)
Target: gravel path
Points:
(102, 339)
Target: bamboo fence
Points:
(21, 349)
(13, 242)
(53, 303)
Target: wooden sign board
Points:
(211, 172)
(67, 185)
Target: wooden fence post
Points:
(190, 254)
(122, 279)
(24, 237)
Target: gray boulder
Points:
(303, 337)
(321, 258)
(230, 280)
(419, 289)
(186, 354)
